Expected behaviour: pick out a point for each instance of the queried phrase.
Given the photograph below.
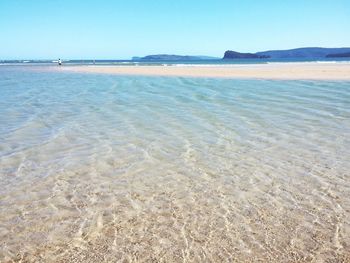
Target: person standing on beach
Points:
(59, 62)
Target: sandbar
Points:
(312, 70)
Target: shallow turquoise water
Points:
(186, 168)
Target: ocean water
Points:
(211, 62)
(103, 167)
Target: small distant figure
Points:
(59, 62)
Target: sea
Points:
(112, 168)
(155, 62)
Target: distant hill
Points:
(166, 57)
(229, 54)
(339, 55)
(308, 52)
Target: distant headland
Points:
(229, 54)
(339, 55)
(307, 53)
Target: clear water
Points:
(103, 168)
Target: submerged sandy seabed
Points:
(109, 168)
(312, 70)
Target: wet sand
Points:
(311, 71)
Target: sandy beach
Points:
(175, 131)
(311, 71)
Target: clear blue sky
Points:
(102, 29)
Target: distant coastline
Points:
(339, 55)
(307, 52)
(289, 55)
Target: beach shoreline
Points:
(279, 71)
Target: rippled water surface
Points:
(100, 168)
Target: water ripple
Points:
(137, 169)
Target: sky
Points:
(120, 29)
